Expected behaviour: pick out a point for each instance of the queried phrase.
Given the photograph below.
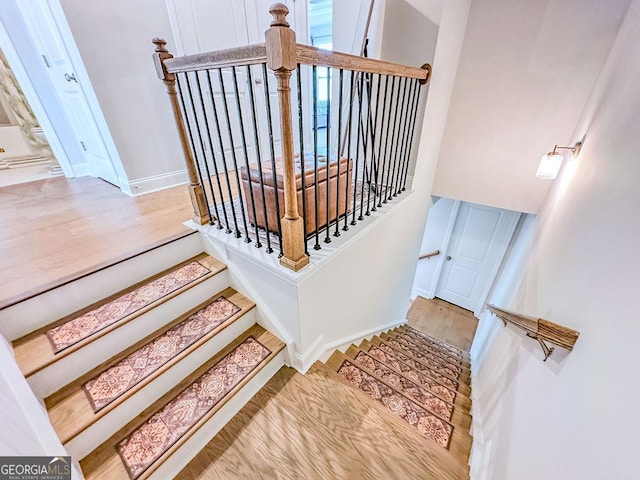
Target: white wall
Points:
(409, 38)
(570, 417)
(526, 70)
(434, 236)
(349, 22)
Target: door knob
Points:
(258, 81)
(448, 258)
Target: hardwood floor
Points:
(315, 427)
(55, 230)
(444, 321)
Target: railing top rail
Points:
(306, 55)
(314, 56)
(230, 57)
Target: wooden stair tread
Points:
(69, 408)
(461, 401)
(463, 353)
(460, 441)
(459, 418)
(391, 339)
(34, 351)
(105, 462)
(442, 353)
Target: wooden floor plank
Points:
(443, 320)
(54, 230)
(314, 426)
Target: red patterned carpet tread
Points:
(438, 349)
(146, 444)
(118, 379)
(415, 352)
(454, 350)
(410, 389)
(444, 387)
(428, 352)
(79, 328)
(422, 420)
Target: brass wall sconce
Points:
(551, 162)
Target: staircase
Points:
(422, 380)
(140, 364)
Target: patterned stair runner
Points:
(421, 419)
(140, 449)
(431, 353)
(435, 348)
(410, 389)
(450, 348)
(83, 326)
(415, 351)
(402, 364)
(110, 384)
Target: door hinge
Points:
(84, 147)
(46, 62)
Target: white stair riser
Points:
(85, 442)
(25, 317)
(187, 451)
(55, 376)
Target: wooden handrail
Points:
(230, 57)
(539, 329)
(429, 255)
(315, 56)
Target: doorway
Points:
(472, 241)
(40, 49)
(25, 153)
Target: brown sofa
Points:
(251, 183)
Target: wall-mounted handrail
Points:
(539, 329)
(429, 255)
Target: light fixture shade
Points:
(549, 166)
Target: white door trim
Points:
(494, 270)
(89, 93)
(39, 111)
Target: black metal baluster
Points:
(365, 144)
(224, 161)
(339, 159)
(396, 164)
(234, 77)
(315, 151)
(374, 136)
(189, 130)
(387, 195)
(387, 160)
(206, 122)
(383, 130)
(403, 152)
(256, 139)
(413, 126)
(350, 178)
(302, 179)
(353, 221)
(233, 156)
(327, 238)
(267, 102)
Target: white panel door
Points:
(49, 40)
(476, 248)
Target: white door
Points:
(478, 243)
(50, 41)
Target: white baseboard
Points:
(158, 182)
(423, 293)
